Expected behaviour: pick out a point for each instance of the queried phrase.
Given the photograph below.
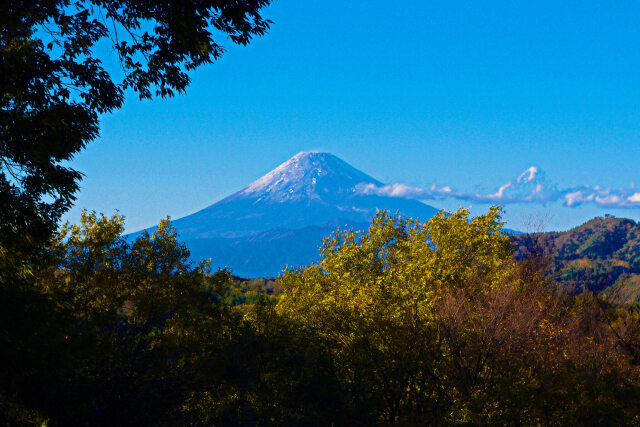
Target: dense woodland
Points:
(442, 322)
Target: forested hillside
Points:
(602, 256)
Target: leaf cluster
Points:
(54, 85)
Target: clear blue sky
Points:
(463, 93)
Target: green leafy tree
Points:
(373, 300)
(129, 307)
(270, 372)
(54, 86)
(141, 335)
(437, 323)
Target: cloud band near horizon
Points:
(529, 187)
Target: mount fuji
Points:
(279, 220)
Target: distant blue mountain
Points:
(267, 253)
(279, 220)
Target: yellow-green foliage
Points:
(435, 323)
(374, 299)
(399, 265)
(408, 323)
(100, 272)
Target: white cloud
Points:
(634, 198)
(529, 187)
(500, 193)
(528, 175)
(576, 198)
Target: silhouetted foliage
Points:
(407, 323)
(54, 86)
(142, 336)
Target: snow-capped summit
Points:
(307, 175)
(280, 218)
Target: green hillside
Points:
(601, 255)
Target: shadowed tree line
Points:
(406, 324)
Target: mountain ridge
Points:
(601, 255)
(303, 195)
(308, 189)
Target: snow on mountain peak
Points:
(307, 175)
(311, 191)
